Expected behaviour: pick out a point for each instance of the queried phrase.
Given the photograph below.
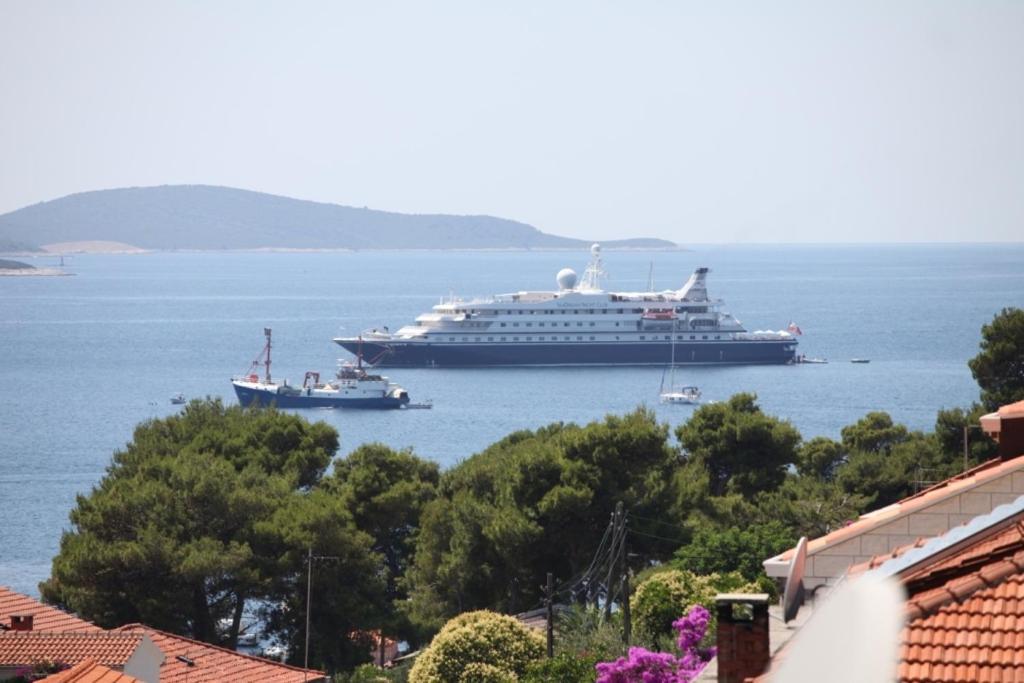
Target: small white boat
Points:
(687, 395)
(860, 360)
(177, 399)
(681, 396)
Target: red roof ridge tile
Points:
(130, 628)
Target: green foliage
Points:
(664, 595)
(739, 549)
(949, 430)
(820, 458)
(537, 502)
(386, 492)
(900, 470)
(874, 433)
(207, 511)
(743, 450)
(584, 632)
(563, 668)
(478, 647)
(999, 366)
(809, 507)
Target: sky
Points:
(691, 121)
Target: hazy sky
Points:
(696, 122)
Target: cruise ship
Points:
(579, 324)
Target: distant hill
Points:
(207, 217)
(14, 265)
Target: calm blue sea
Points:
(83, 359)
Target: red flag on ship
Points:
(794, 328)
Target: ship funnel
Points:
(695, 289)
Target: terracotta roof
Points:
(28, 647)
(210, 663)
(89, 672)
(44, 617)
(1012, 410)
(993, 469)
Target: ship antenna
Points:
(266, 331)
(595, 269)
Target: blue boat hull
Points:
(249, 397)
(405, 354)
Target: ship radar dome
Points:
(595, 249)
(566, 278)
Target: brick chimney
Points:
(742, 635)
(21, 622)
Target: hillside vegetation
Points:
(206, 217)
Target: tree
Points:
(743, 450)
(999, 366)
(537, 502)
(714, 551)
(820, 458)
(204, 513)
(949, 430)
(386, 491)
(478, 646)
(874, 433)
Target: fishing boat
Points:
(351, 387)
(177, 399)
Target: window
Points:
(529, 324)
(668, 336)
(490, 339)
(717, 337)
(567, 324)
(503, 324)
(616, 323)
(567, 338)
(704, 337)
(593, 324)
(579, 338)
(593, 338)
(515, 338)
(642, 337)
(515, 324)
(579, 324)
(540, 324)
(451, 338)
(502, 339)
(692, 336)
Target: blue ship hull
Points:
(266, 398)
(418, 354)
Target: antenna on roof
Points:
(793, 595)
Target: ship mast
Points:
(266, 351)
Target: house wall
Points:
(828, 564)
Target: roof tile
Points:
(19, 648)
(44, 617)
(212, 664)
(89, 671)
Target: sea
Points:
(83, 359)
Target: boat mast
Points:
(266, 350)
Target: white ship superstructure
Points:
(578, 324)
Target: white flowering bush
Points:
(478, 647)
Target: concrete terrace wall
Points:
(828, 564)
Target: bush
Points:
(660, 598)
(583, 631)
(478, 647)
(564, 668)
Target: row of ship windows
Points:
(552, 324)
(667, 337)
(576, 311)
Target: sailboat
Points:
(685, 395)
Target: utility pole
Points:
(309, 596)
(309, 569)
(616, 532)
(627, 623)
(549, 595)
(967, 450)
